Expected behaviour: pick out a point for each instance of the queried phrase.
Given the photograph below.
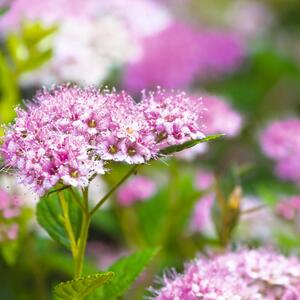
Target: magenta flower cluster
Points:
(247, 274)
(10, 209)
(280, 141)
(138, 188)
(67, 133)
(174, 57)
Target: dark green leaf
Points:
(3, 10)
(126, 271)
(78, 289)
(189, 144)
(50, 217)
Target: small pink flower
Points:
(10, 210)
(201, 219)
(138, 188)
(280, 141)
(289, 208)
(204, 179)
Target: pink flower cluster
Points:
(174, 57)
(247, 274)
(280, 141)
(138, 188)
(67, 133)
(9, 211)
(289, 208)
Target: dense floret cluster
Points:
(67, 133)
(244, 275)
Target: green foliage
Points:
(50, 216)
(188, 144)
(78, 289)
(24, 51)
(3, 10)
(126, 271)
(27, 50)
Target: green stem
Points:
(82, 240)
(131, 171)
(67, 222)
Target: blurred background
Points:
(241, 56)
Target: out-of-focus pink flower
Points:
(10, 210)
(281, 141)
(204, 179)
(138, 188)
(289, 208)
(246, 274)
(201, 219)
(216, 116)
(251, 19)
(177, 55)
(105, 255)
(219, 117)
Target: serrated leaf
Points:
(188, 144)
(50, 217)
(126, 271)
(78, 289)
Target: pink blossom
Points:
(246, 274)
(201, 219)
(220, 117)
(289, 208)
(280, 141)
(10, 210)
(67, 133)
(216, 116)
(177, 55)
(138, 188)
(204, 179)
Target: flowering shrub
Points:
(137, 189)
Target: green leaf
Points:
(126, 271)
(50, 217)
(3, 10)
(78, 289)
(188, 144)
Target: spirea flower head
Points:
(10, 209)
(280, 141)
(138, 188)
(67, 133)
(174, 57)
(242, 275)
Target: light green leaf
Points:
(50, 217)
(188, 144)
(78, 289)
(126, 271)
